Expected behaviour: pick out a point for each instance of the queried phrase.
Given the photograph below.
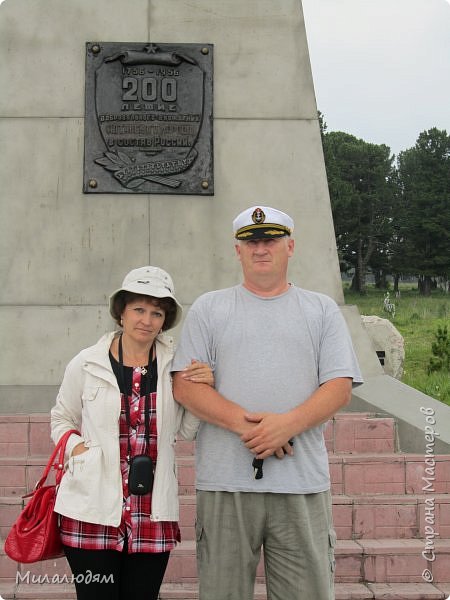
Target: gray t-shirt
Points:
(268, 354)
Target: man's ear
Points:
(291, 245)
(237, 247)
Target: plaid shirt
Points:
(136, 527)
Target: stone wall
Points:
(64, 251)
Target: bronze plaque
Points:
(149, 118)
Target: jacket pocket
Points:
(90, 393)
(331, 549)
(200, 538)
(77, 463)
(84, 477)
(94, 402)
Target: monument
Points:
(67, 243)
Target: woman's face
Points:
(142, 320)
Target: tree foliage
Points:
(424, 178)
(390, 218)
(361, 191)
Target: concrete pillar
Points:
(64, 251)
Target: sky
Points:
(381, 68)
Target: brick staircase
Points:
(384, 513)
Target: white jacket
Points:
(89, 401)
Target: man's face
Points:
(265, 256)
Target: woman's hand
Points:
(199, 372)
(79, 449)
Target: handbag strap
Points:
(59, 465)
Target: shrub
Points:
(440, 361)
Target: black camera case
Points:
(140, 475)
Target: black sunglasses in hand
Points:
(257, 464)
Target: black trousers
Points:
(112, 575)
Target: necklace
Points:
(142, 370)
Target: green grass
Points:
(417, 318)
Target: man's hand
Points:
(270, 435)
(272, 431)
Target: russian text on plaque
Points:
(148, 118)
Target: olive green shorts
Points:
(294, 530)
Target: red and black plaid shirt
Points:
(136, 527)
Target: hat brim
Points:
(261, 231)
(152, 291)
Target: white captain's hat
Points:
(262, 222)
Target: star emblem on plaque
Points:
(149, 118)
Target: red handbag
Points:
(35, 534)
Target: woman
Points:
(116, 526)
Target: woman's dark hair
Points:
(123, 298)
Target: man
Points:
(284, 365)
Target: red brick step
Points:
(378, 506)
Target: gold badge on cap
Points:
(258, 216)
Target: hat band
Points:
(272, 230)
